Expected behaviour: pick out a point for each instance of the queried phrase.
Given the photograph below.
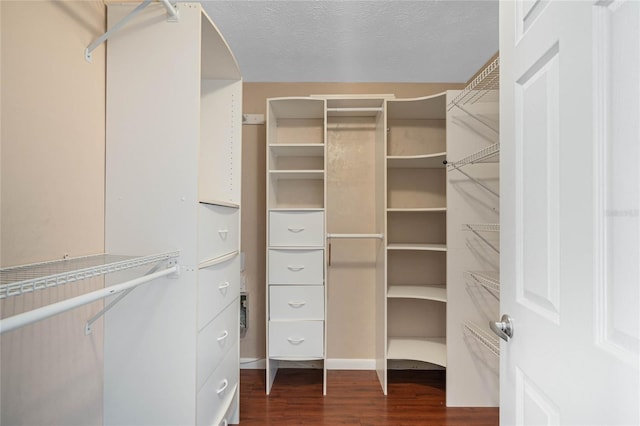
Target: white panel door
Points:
(569, 114)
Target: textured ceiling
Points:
(358, 41)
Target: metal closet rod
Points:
(44, 312)
(171, 11)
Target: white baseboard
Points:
(339, 364)
(253, 363)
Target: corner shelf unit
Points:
(416, 243)
(296, 223)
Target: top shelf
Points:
(296, 108)
(18, 280)
(486, 83)
(427, 108)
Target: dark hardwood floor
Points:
(416, 397)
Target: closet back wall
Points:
(350, 312)
(52, 202)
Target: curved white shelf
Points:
(427, 161)
(487, 340)
(29, 278)
(426, 349)
(220, 203)
(419, 247)
(417, 209)
(426, 292)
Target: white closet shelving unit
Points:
(416, 245)
(473, 239)
(174, 114)
(296, 223)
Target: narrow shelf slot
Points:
(297, 174)
(298, 150)
(416, 209)
(427, 161)
(488, 280)
(29, 278)
(426, 292)
(485, 339)
(425, 349)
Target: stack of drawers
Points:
(218, 314)
(296, 285)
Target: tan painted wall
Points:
(350, 330)
(52, 202)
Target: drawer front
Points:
(296, 229)
(303, 267)
(296, 302)
(219, 390)
(218, 231)
(296, 339)
(218, 285)
(216, 340)
(231, 416)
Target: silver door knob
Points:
(503, 328)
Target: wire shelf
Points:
(487, 340)
(23, 279)
(490, 154)
(488, 280)
(481, 227)
(488, 81)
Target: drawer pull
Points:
(223, 336)
(223, 233)
(295, 268)
(296, 230)
(295, 340)
(224, 285)
(225, 384)
(297, 304)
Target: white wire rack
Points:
(488, 280)
(488, 81)
(29, 278)
(487, 340)
(481, 227)
(490, 154)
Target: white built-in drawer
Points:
(217, 231)
(290, 302)
(219, 390)
(218, 285)
(216, 339)
(302, 267)
(296, 228)
(231, 415)
(296, 339)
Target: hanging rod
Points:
(487, 340)
(44, 312)
(354, 236)
(172, 17)
(476, 229)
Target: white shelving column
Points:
(174, 114)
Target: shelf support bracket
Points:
(172, 17)
(477, 181)
(173, 263)
(484, 240)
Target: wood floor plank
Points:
(353, 398)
